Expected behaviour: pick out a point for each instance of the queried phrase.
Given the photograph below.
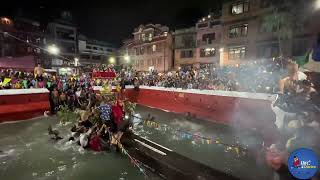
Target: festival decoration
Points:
(194, 137)
(6, 81)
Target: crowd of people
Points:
(257, 76)
(100, 123)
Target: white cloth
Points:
(84, 138)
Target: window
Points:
(265, 3)
(149, 49)
(85, 56)
(186, 54)
(159, 61)
(143, 37)
(154, 48)
(264, 29)
(207, 52)
(238, 31)
(96, 57)
(150, 37)
(153, 62)
(95, 48)
(268, 51)
(141, 50)
(202, 25)
(240, 7)
(160, 47)
(165, 33)
(237, 53)
(88, 47)
(208, 38)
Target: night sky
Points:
(114, 21)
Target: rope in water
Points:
(125, 152)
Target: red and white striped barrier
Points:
(241, 109)
(22, 104)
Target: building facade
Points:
(151, 48)
(20, 39)
(185, 51)
(209, 37)
(93, 51)
(245, 37)
(63, 34)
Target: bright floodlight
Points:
(317, 5)
(53, 50)
(127, 58)
(112, 60)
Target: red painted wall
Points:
(23, 106)
(241, 112)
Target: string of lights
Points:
(189, 135)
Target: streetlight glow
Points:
(127, 58)
(76, 61)
(112, 60)
(53, 50)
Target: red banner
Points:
(104, 75)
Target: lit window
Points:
(154, 48)
(150, 37)
(237, 53)
(165, 33)
(238, 31)
(208, 38)
(240, 7)
(143, 37)
(207, 52)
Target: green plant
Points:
(129, 108)
(65, 115)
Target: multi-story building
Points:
(185, 52)
(209, 36)
(93, 51)
(63, 34)
(245, 37)
(20, 40)
(151, 48)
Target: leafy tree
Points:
(285, 19)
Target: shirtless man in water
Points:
(38, 72)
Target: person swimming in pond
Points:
(55, 133)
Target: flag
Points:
(302, 60)
(6, 81)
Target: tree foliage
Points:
(285, 19)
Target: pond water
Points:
(29, 153)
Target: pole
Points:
(164, 59)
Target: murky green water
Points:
(30, 154)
